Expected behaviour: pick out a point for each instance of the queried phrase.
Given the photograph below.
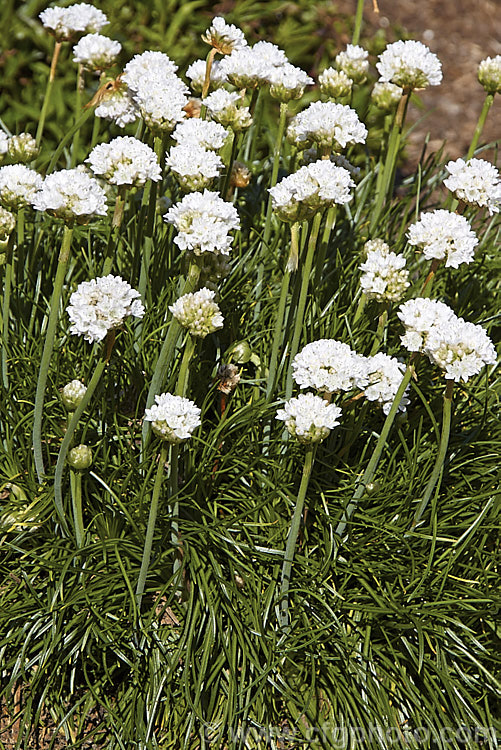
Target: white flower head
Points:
(224, 37)
(101, 305)
(18, 185)
(354, 62)
(196, 74)
(96, 52)
(66, 23)
(384, 277)
(334, 83)
(328, 366)
(71, 195)
(119, 107)
(205, 133)
(489, 74)
(7, 224)
(475, 181)
(161, 101)
(125, 161)
(410, 65)
(22, 147)
(461, 349)
(327, 125)
(444, 235)
(4, 143)
(149, 65)
(309, 418)
(173, 418)
(224, 107)
(383, 376)
(245, 68)
(386, 95)
(194, 166)
(312, 188)
(421, 316)
(198, 312)
(288, 82)
(204, 222)
(72, 394)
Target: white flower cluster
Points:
(173, 418)
(443, 235)
(327, 125)
(196, 74)
(96, 52)
(475, 181)
(288, 82)
(334, 83)
(224, 37)
(7, 224)
(125, 161)
(461, 349)
(312, 188)
(22, 147)
(386, 96)
(353, 62)
(410, 65)
(65, 23)
(309, 418)
(328, 366)
(381, 381)
(101, 305)
(204, 133)
(18, 185)
(198, 312)
(224, 107)
(194, 166)
(384, 277)
(71, 195)
(204, 222)
(156, 90)
(118, 106)
(489, 74)
(249, 67)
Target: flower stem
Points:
(7, 286)
(78, 112)
(358, 21)
(183, 377)
(426, 288)
(283, 614)
(303, 294)
(442, 453)
(149, 200)
(381, 325)
(227, 178)
(480, 125)
(376, 455)
(76, 503)
(385, 189)
(279, 321)
(330, 222)
(70, 432)
(150, 529)
(267, 223)
(48, 92)
(50, 336)
(114, 236)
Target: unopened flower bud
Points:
(239, 352)
(72, 394)
(489, 74)
(240, 175)
(22, 148)
(386, 96)
(80, 457)
(198, 312)
(335, 83)
(7, 223)
(372, 487)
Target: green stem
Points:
(360, 308)
(358, 22)
(78, 112)
(50, 336)
(149, 199)
(167, 352)
(227, 178)
(267, 224)
(381, 325)
(283, 614)
(150, 529)
(9, 271)
(174, 516)
(114, 237)
(426, 288)
(480, 125)
(330, 222)
(376, 455)
(67, 138)
(183, 377)
(76, 503)
(48, 92)
(95, 132)
(70, 432)
(442, 453)
(303, 294)
(385, 188)
(279, 322)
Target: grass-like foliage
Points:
(241, 588)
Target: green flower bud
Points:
(386, 96)
(239, 352)
(72, 394)
(80, 457)
(7, 224)
(23, 148)
(489, 74)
